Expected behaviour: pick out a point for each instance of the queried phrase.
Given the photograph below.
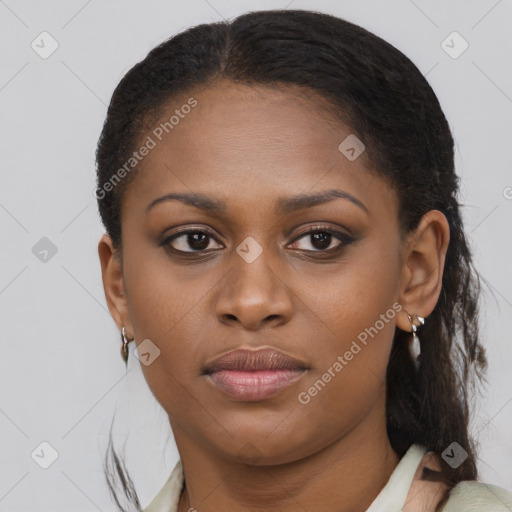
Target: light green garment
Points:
(468, 496)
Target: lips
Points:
(253, 375)
(251, 360)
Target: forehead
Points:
(246, 143)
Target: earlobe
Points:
(113, 283)
(423, 266)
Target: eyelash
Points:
(343, 238)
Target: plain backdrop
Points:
(61, 375)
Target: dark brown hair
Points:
(389, 105)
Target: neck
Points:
(345, 476)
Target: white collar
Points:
(394, 494)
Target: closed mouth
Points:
(246, 360)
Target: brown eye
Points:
(323, 239)
(189, 241)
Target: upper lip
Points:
(251, 360)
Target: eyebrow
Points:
(283, 205)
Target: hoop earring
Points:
(414, 342)
(124, 347)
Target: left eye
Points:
(198, 240)
(321, 239)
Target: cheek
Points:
(165, 299)
(164, 308)
(351, 299)
(355, 316)
(349, 374)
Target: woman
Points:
(285, 245)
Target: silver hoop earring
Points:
(124, 347)
(414, 342)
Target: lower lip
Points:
(251, 386)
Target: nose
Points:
(254, 295)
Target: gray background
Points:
(61, 376)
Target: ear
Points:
(113, 284)
(423, 258)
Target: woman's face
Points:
(263, 271)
